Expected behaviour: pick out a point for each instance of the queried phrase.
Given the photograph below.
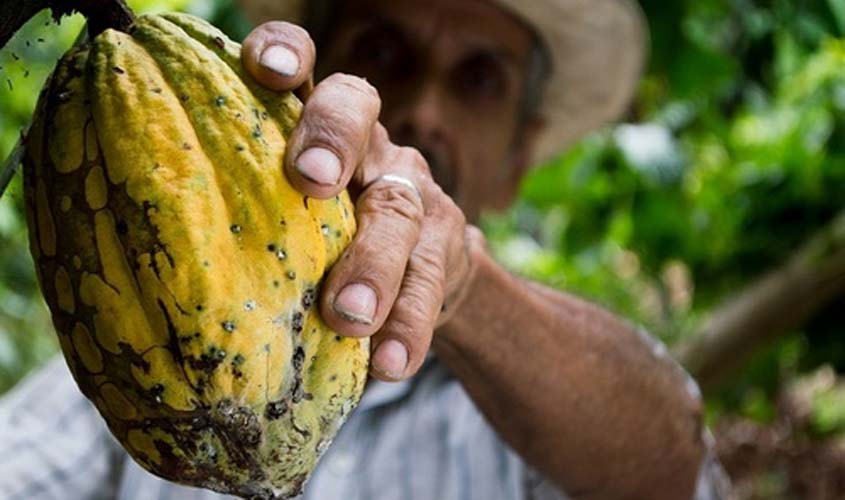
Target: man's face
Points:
(451, 76)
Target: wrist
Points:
(480, 294)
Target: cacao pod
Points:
(181, 268)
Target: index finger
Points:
(279, 55)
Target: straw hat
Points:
(597, 48)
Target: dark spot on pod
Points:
(308, 298)
(26, 73)
(276, 283)
(15, 57)
(156, 392)
(220, 101)
(296, 322)
(228, 325)
(313, 358)
(333, 378)
(218, 42)
(239, 147)
(235, 228)
(122, 227)
(305, 202)
(276, 409)
(337, 338)
(9, 82)
(118, 70)
(238, 360)
(200, 422)
(209, 360)
(209, 451)
(264, 115)
(256, 132)
(206, 263)
(283, 223)
(157, 90)
(271, 247)
(291, 275)
(186, 146)
(41, 40)
(199, 307)
(266, 347)
(184, 98)
(299, 394)
(239, 422)
(298, 358)
(325, 229)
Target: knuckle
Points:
(333, 126)
(408, 323)
(387, 198)
(355, 84)
(412, 158)
(426, 268)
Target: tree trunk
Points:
(771, 306)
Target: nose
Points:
(420, 121)
(418, 116)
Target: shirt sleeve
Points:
(53, 443)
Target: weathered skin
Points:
(181, 267)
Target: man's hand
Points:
(410, 253)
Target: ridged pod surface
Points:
(181, 268)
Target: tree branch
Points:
(101, 14)
(769, 307)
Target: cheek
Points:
(485, 169)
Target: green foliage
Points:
(731, 158)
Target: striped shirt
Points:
(421, 439)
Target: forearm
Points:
(578, 393)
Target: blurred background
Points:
(713, 214)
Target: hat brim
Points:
(597, 48)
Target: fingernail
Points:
(280, 59)
(319, 165)
(356, 303)
(391, 358)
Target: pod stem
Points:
(101, 14)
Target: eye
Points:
(379, 51)
(480, 76)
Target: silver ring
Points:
(401, 180)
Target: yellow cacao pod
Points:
(180, 267)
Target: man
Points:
(528, 393)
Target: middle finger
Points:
(333, 135)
